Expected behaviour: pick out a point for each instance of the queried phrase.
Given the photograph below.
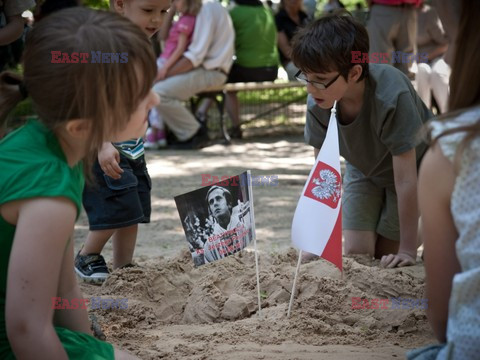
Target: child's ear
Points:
(118, 6)
(78, 128)
(355, 73)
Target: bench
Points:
(217, 94)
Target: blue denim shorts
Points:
(113, 204)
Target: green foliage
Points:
(23, 109)
(97, 4)
(271, 95)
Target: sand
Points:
(177, 311)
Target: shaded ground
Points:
(176, 311)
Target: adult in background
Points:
(255, 50)
(11, 21)
(289, 18)
(204, 65)
(432, 76)
(392, 26)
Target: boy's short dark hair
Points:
(327, 43)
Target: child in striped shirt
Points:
(120, 198)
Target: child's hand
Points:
(108, 158)
(161, 74)
(397, 260)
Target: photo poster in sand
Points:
(218, 219)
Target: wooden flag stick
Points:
(294, 283)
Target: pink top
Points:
(184, 25)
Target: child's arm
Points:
(76, 318)
(109, 158)
(12, 31)
(405, 175)
(435, 186)
(43, 227)
(284, 45)
(176, 55)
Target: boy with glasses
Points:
(379, 116)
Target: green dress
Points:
(32, 164)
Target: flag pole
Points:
(258, 278)
(255, 245)
(294, 283)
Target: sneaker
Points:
(161, 139)
(91, 268)
(236, 132)
(197, 141)
(155, 139)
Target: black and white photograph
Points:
(218, 219)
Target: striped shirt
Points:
(132, 149)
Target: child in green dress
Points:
(81, 103)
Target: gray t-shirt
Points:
(388, 124)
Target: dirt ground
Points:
(177, 311)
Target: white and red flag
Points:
(317, 223)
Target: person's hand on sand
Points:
(397, 260)
(108, 158)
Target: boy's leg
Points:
(123, 242)
(359, 242)
(95, 242)
(362, 203)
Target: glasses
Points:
(300, 76)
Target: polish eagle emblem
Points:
(327, 186)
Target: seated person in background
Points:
(289, 18)
(432, 76)
(379, 115)
(256, 55)
(177, 37)
(205, 64)
(11, 27)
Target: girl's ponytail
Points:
(12, 91)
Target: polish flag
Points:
(317, 223)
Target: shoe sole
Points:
(90, 279)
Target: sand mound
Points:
(178, 311)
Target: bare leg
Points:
(203, 107)
(359, 242)
(123, 242)
(231, 102)
(96, 240)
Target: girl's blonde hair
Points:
(107, 93)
